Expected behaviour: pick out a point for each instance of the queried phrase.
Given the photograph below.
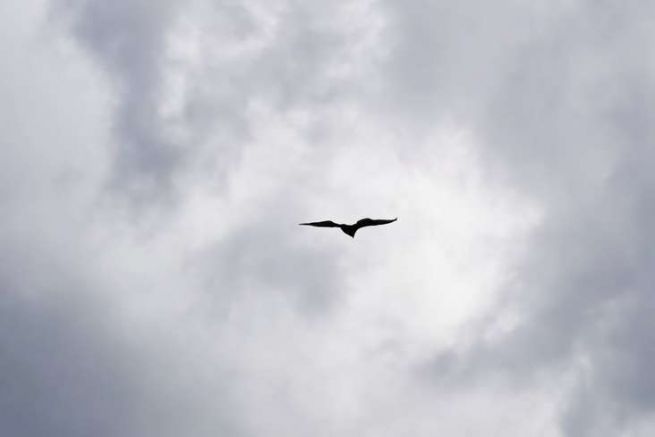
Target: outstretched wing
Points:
(323, 224)
(371, 222)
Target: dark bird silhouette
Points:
(349, 229)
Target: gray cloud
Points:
(513, 140)
(591, 255)
(129, 38)
(60, 376)
(241, 55)
(565, 123)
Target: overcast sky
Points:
(157, 156)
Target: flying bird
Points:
(349, 229)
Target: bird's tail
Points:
(349, 231)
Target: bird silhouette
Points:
(349, 229)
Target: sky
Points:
(157, 157)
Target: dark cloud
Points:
(129, 38)
(72, 365)
(60, 375)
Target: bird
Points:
(350, 229)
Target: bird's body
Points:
(350, 229)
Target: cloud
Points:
(511, 140)
(590, 254)
(187, 75)
(128, 38)
(564, 123)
